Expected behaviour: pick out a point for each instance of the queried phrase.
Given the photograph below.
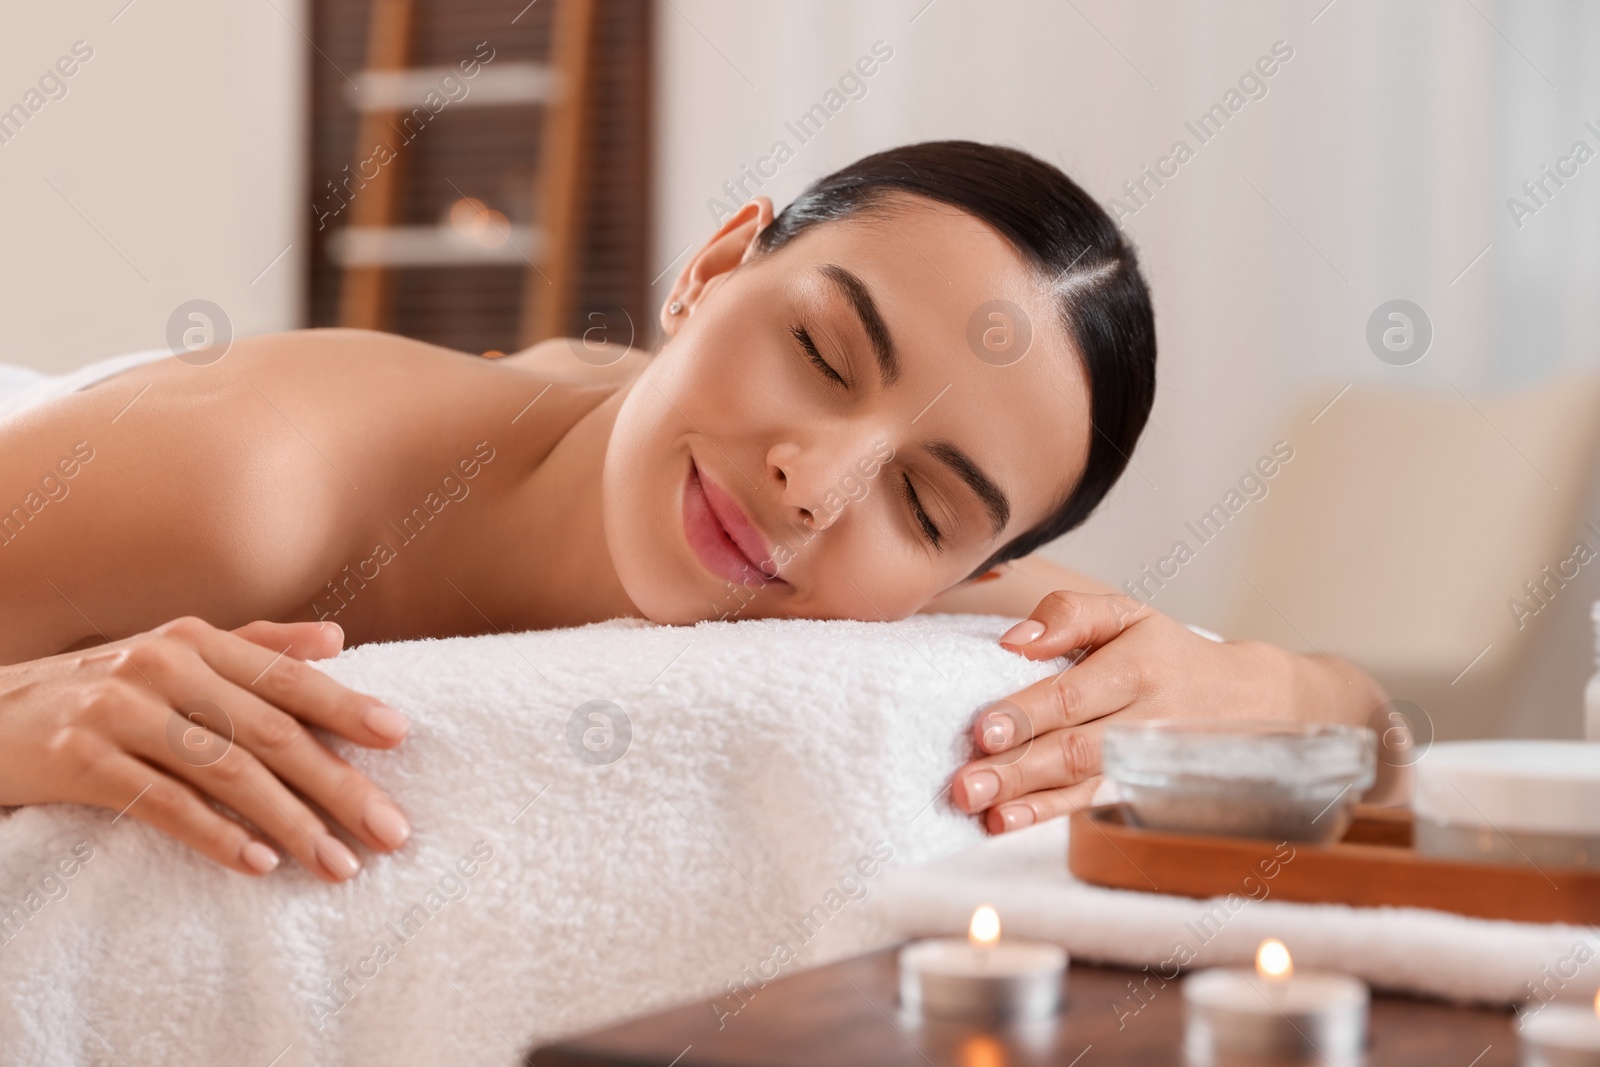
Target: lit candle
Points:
(1273, 1015)
(1562, 1035)
(981, 978)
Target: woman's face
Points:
(846, 427)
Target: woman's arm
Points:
(1042, 744)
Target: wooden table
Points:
(847, 1013)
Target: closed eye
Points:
(930, 532)
(803, 339)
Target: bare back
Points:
(262, 486)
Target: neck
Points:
(547, 563)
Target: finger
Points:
(1067, 620)
(287, 683)
(302, 640)
(292, 753)
(1052, 760)
(1037, 807)
(274, 751)
(1104, 683)
(136, 789)
(197, 747)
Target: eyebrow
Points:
(860, 297)
(994, 499)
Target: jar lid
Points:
(1549, 787)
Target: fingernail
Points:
(1024, 632)
(1017, 816)
(336, 628)
(997, 731)
(981, 788)
(259, 857)
(339, 861)
(384, 721)
(385, 822)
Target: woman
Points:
(880, 401)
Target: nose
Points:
(816, 475)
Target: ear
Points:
(732, 244)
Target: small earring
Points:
(674, 308)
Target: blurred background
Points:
(1372, 231)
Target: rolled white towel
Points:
(716, 822)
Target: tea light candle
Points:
(1562, 1035)
(980, 978)
(1272, 1015)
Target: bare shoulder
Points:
(229, 490)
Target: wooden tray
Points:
(1374, 866)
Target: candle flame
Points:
(985, 928)
(981, 1050)
(1597, 1003)
(1272, 959)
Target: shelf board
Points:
(504, 84)
(430, 246)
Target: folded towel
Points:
(1024, 877)
(608, 820)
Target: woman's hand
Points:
(1130, 662)
(157, 725)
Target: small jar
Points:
(1270, 780)
(1518, 802)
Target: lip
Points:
(725, 541)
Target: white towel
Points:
(772, 765)
(1024, 877)
(23, 387)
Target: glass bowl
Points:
(1278, 781)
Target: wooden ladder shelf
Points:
(374, 245)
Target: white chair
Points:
(1407, 524)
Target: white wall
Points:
(173, 169)
(1377, 166)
